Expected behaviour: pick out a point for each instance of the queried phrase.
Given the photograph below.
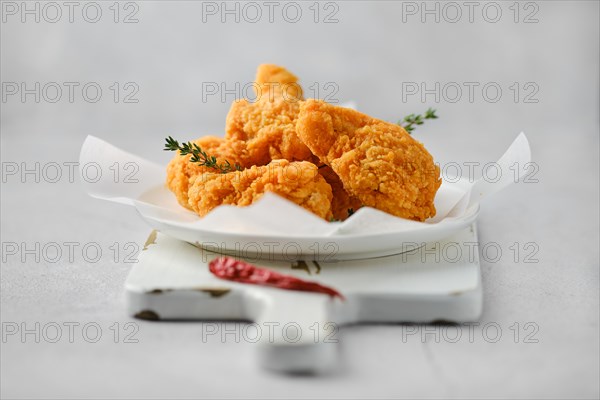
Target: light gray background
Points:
(369, 53)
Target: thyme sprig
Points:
(410, 121)
(200, 156)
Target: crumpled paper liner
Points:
(146, 191)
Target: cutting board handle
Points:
(298, 333)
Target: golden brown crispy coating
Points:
(275, 81)
(378, 162)
(180, 169)
(268, 131)
(298, 182)
(342, 202)
(256, 133)
(267, 127)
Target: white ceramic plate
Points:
(277, 229)
(343, 241)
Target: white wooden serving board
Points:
(293, 330)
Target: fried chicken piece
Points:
(180, 169)
(342, 204)
(257, 132)
(277, 82)
(268, 131)
(377, 161)
(270, 127)
(267, 127)
(298, 182)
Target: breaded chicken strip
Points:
(274, 81)
(377, 161)
(270, 126)
(257, 132)
(180, 169)
(298, 182)
(267, 127)
(267, 130)
(342, 202)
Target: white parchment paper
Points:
(144, 188)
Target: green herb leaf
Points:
(410, 121)
(199, 156)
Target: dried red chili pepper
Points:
(239, 271)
